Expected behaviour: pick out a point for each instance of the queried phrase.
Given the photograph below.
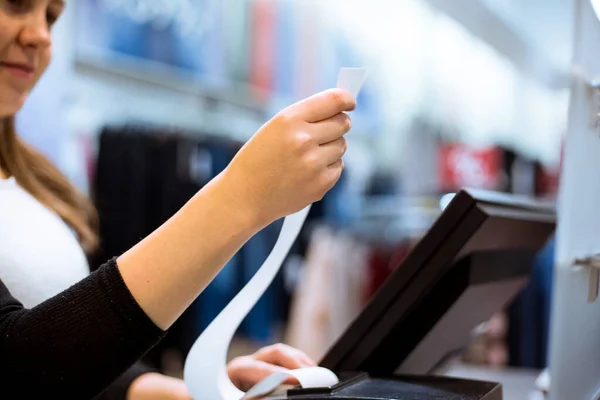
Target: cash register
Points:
(472, 262)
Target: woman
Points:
(76, 343)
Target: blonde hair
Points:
(36, 174)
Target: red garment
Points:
(400, 254)
(382, 263)
(378, 271)
(262, 56)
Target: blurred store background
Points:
(155, 97)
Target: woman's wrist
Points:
(241, 204)
(167, 270)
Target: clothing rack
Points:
(387, 220)
(141, 180)
(151, 128)
(103, 93)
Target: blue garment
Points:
(218, 294)
(286, 62)
(202, 52)
(226, 284)
(261, 322)
(127, 36)
(529, 315)
(544, 276)
(259, 325)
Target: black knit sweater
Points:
(75, 344)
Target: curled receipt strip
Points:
(205, 371)
(308, 377)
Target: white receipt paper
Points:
(352, 79)
(205, 371)
(307, 377)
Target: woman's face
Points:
(25, 47)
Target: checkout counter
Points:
(473, 261)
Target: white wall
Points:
(547, 24)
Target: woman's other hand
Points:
(294, 159)
(153, 386)
(247, 371)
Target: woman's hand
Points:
(244, 372)
(247, 371)
(152, 386)
(291, 162)
(294, 159)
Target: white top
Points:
(39, 254)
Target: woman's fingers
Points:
(284, 356)
(334, 151)
(332, 128)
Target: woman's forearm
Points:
(167, 270)
(76, 343)
(292, 161)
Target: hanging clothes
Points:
(529, 315)
(138, 186)
(311, 307)
(143, 176)
(262, 45)
(330, 292)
